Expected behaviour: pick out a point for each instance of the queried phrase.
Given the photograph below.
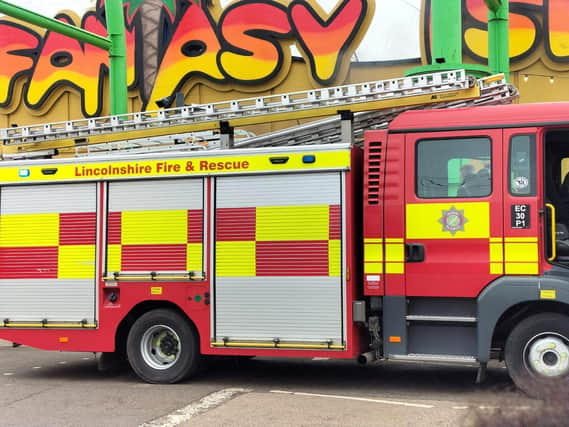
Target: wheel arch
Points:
(519, 312)
(138, 310)
(509, 300)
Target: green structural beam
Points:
(446, 31)
(446, 41)
(54, 25)
(493, 5)
(115, 44)
(498, 37)
(117, 57)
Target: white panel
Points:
(171, 194)
(278, 190)
(288, 308)
(51, 299)
(61, 198)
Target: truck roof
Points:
(497, 116)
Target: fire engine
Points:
(421, 223)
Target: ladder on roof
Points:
(175, 127)
(493, 91)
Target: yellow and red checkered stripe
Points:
(47, 245)
(278, 241)
(155, 240)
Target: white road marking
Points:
(183, 415)
(62, 362)
(460, 407)
(86, 358)
(7, 374)
(36, 367)
(320, 358)
(360, 399)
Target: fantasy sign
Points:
(174, 44)
(246, 44)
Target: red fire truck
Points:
(445, 238)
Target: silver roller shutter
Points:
(278, 259)
(47, 253)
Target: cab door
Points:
(453, 212)
(522, 202)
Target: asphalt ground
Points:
(65, 389)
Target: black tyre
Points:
(537, 354)
(163, 347)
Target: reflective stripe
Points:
(38, 229)
(394, 252)
(293, 223)
(194, 257)
(76, 262)
(426, 220)
(395, 268)
(154, 227)
(496, 252)
(516, 252)
(235, 259)
(496, 268)
(334, 258)
(373, 252)
(373, 268)
(366, 240)
(522, 268)
(520, 239)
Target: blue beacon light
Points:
(309, 158)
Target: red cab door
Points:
(453, 212)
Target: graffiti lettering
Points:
(525, 29)
(533, 23)
(248, 45)
(251, 52)
(325, 41)
(17, 48)
(192, 52)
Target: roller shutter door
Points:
(278, 259)
(47, 253)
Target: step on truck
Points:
(419, 225)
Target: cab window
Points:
(451, 168)
(522, 166)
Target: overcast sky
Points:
(393, 34)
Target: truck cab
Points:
(472, 222)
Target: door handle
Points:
(553, 233)
(414, 252)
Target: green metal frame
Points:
(446, 33)
(115, 44)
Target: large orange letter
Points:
(327, 42)
(17, 47)
(251, 51)
(65, 62)
(191, 52)
(524, 28)
(557, 45)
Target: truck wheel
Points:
(537, 354)
(163, 347)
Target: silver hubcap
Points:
(160, 347)
(548, 355)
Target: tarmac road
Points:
(65, 389)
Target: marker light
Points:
(309, 158)
(24, 173)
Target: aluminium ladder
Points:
(183, 127)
